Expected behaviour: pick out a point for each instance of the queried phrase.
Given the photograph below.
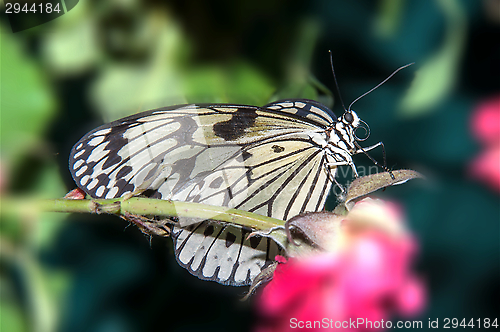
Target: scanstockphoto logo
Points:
(28, 14)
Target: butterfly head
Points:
(346, 128)
(350, 119)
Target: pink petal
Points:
(411, 298)
(486, 121)
(486, 167)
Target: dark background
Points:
(107, 59)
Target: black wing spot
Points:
(246, 155)
(103, 179)
(123, 172)
(277, 148)
(123, 186)
(254, 241)
(111, 160)
(234, 128)
(209, 230)
(230, 238)
(149, 193)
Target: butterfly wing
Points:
(267, 160)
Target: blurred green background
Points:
(107, 59)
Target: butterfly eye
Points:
(348, 117)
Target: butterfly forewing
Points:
(268, 160)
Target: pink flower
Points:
(486, 128)
(365, 276)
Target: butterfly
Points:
(278, 160)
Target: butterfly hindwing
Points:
(223, 253)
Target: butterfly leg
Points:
(339, 185)
(373, 147)
(336, 164)
(341, 163)
(365, 150)
(332, 178)
(150, 226)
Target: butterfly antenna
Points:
(335, 79)
(378, 85)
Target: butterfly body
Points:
(278, 160)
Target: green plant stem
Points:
(144, 207)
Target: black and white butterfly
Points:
(278, 160)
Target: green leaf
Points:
(300, 83)
(124, 88)
(27, 103)
(204, 85)
(13, 319)
(72, 45)
(237, 83)
(389, 17)
(247, 85)
(437, 76)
